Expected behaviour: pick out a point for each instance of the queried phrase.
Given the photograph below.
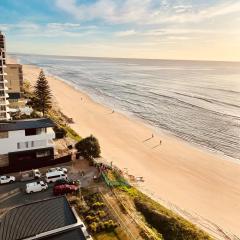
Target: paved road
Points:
(20, 197)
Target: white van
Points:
(54, 176)
(36, 187)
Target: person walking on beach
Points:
(152, 135)
(160, 142)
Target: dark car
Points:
(64, 189)
(67, 181)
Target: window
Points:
(22, 145)
(4, 134)
(2, 108)
(43, 153)
(55, 176)
(30, 131)
(3, 115)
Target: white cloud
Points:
(63, 25)
(143, 12)
(126, 33)
(49, 29)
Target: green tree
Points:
(42, 100)
(88, 147)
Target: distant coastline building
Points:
(4, 115)
(14, 79)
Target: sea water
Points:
(198, 101)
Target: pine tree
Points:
(43, 96)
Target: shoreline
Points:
(175, 172)
(133, 117)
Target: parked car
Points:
(36, 187)
(64, 189)
(29, 175)
(7, 179)
(67, 181)
(61, 169)
(54, 176)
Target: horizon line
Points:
(131, 58)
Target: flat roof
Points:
(38, 217)
(26, 124)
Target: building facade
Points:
(25, 143)
(3, 88)
(14, 79)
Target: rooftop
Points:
(40, 217)
(26, 124)
(73, 234)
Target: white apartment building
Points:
(3, 88)
(26, 142)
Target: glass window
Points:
(30, 131)
(43, 153)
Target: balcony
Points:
(3, 94)
(4, 102)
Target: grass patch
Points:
(117, 234)
(61, 121)
(169, 224)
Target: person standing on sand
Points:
(160, 142)
(152, 135)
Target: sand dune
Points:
(180, 175)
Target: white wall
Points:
(10, 144)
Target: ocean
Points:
(198, 101)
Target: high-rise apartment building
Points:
(3, 88)
(15, 81)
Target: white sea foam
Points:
(197, 101)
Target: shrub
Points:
(60, 132)
(91, 219)
(101, 226)
(98, 205)
(88, 147)
(93, 227)
(73, 200)
(110, 225)
(101, 213)
(168, 224)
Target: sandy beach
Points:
(200, 185)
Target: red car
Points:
(64, 189)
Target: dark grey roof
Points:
(37, 217)
(75, 234)
(26, 124)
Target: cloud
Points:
(146, 11)
(126, 33)
(49, 30)
(61, 26)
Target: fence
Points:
(36, 164)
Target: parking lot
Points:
(14, 194)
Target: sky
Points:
(157, 29)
